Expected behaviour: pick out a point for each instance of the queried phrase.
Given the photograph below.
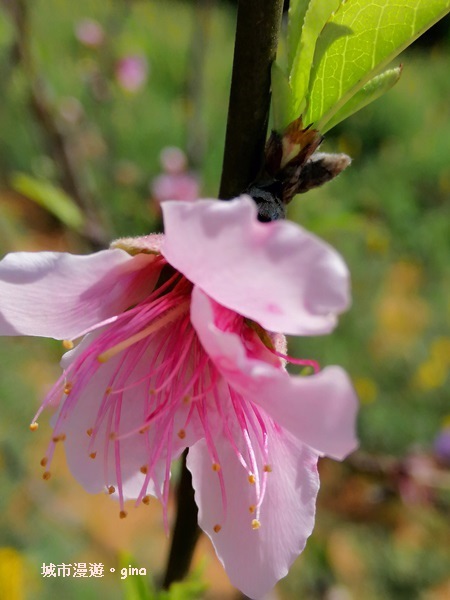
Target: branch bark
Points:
(257, 31)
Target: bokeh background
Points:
(90, 94)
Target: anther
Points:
(251, 478)
(186, 399)
(112, 435)
(89, 431)
(46, 475)
(182, 434)
(44, 461)
(267, 469)
(93, 455)
(143, 430)
(108, 390)
(59, 438)
(217, 528)
(216, 467)
(252, 508)
(256, 524)
(123, 514)
(146, 500)
(67, 344)
(111, 490)
(68, 388)
(34, 426)
(144, 469)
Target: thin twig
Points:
(186, 531)
(257, 31)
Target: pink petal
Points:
(255, 559)
(277, 274)
(60, 295)
(319, 410)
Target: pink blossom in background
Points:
(131, 73)
(90, 33)
(175, 183)
(178, 351)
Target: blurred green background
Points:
(76, 133)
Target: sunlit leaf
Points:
(317, 15)
(297, 10)
(375, 88)
(360, 39)
(283, 109)
(50, 197)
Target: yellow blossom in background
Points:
(366, 389)
(431, 374)
(11, 574)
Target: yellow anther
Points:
(89, 431)
(146, 500)
(217, 528)
(256, 524)
(186, 399)
(46, 475)
(93, 455)
(108, 390)
(67, 344)
(267, 469)
(44, 461)
(68, 388)
(144, 469)
(216, 467)
(112, 435)
(111, 490)
(182, 434)
(59, 438)
(123, 514)
(34, 426)
(251, 478)
(252, 508)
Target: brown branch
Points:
(257, 31)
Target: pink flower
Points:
(178, 352)
(90, 33)
(131, 73)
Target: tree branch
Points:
(257, 31)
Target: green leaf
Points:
(375, 88)
(297, 10)
(283, 110)
(360, 39)
(50, 197)
(316, 16)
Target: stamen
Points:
(157, 324)
(303, 362)
(46, 475)
(256, 524)
(144, 469)
(67, 344)
(182, 434)
(217, 528)
(252, 479)
(68, 388)
(59, 438)
(111, 490)
(89, 431)
(216, 467)
(44, 461)
(123, 514)
(267, 469)
(252, 508)
(146, 500)
(93, 455)
(34, 426)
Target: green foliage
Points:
(50, 197)
(336, 51)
